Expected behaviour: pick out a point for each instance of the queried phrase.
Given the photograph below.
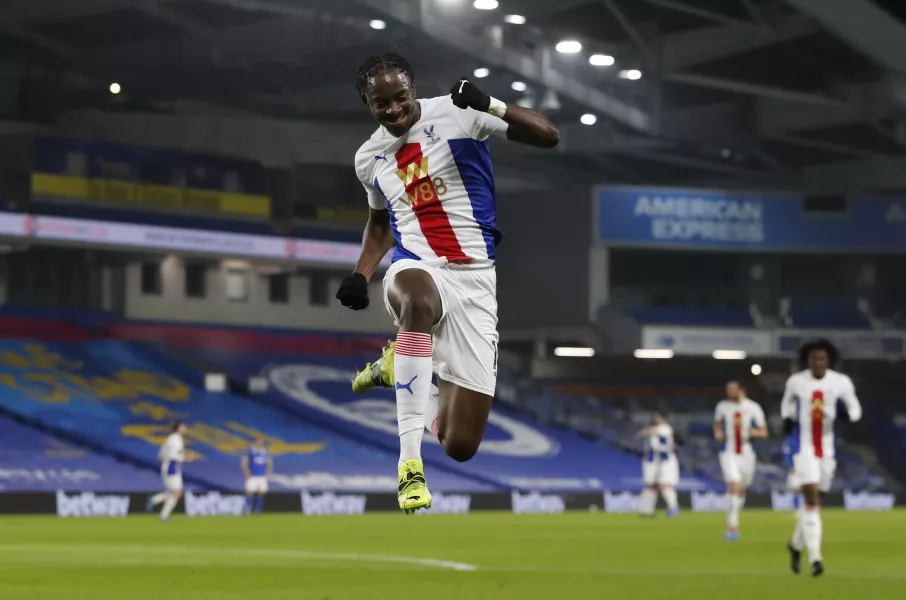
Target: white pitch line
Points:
(680, 572)
(294, 554)
(343, 557)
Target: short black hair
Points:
(177, 425)
(376, 64)
(833, 354)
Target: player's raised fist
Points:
(466, 94)
(353, 292)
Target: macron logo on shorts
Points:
(406, 386)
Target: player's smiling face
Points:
(391, 99)
(818, 362)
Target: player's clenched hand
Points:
(467, 95)
(353, 292)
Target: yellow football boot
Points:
(413, 489)
(376, 374)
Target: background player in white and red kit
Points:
(813, 400)
(430, 186)
(736, 421)
(660, 467)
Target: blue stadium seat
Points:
(33, 460)
(708, 317)
(828, 313)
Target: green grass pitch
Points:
(440, 557)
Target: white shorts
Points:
(465, 338)
(256, 485)
(808, 469)
(792, 482)
(738, 468)
(661, 472)
(172, 483)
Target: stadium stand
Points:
(189, 221)
(676, 315)
(806, 313)
(122, 397)
(118, 385)
(828, 313)
(110, 388)
(33, 460)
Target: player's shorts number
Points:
(440, 186)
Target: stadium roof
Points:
(765, 93)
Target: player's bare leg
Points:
(462, 416)
(811, 526)
(668, 492)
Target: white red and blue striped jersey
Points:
(437, 183)
(738, 419)
(812, 403)
(659, 445)
(172, 454)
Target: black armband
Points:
(788, 426)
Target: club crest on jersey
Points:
(432, 137)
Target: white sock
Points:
(158, 498)
(732, 511)
(648, 502)
(431, 422)
(811, 529)
(798, 541)
(736, 503)
(669, 495)
(169, 505)
(413, 367)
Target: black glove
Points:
(353, 292)
(466, 95)
(843, 414)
